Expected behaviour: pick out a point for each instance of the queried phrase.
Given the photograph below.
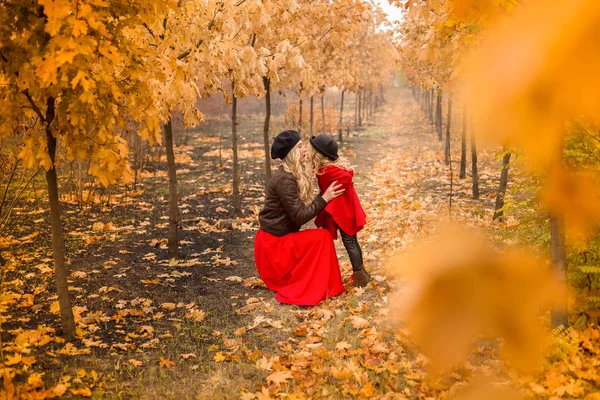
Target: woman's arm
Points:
(300, 214)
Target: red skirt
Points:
(302, 267)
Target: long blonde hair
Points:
(318, 161)
(291, 163)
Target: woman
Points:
(301, 267)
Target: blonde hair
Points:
(319, 161)
(291, 163)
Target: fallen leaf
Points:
(166, 363)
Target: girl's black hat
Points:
(283, 143)
(325, 145)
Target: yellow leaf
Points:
(188, 355)
(59, 389)
(13, 360)
(35, 380)
(343, 346)
(55, 308)
(85, 392)
(64, 57)
(46, 72)
(79, 27)
(219, 357)
(135, 362)
(166, 363)
(454, 295)
(168, 306)
(359, 322)
(279, 377)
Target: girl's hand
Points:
(333, 191)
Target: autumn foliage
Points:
(111, 99)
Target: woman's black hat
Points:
(326, 146)
(283, 143)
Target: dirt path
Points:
(206, 327)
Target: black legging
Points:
(354, 251)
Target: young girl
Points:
(345, 212)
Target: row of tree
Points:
(79, 74)
(483, 53)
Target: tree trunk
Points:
(474, 174)
(365, 104)
(360, 100)
(324, 130)
(463, 146)
(173, 245)
(447, 149)
(311, 115)
(499, 209)
(370, 104)
(381, 92)
(60, 269)
(559, 266)
(267, 84)
(438, 116)
(431, 105)
(559, 313)
(300, 114)
(340, 135)
(356, 110)
(237, 200)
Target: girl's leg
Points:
(354, 251)
(360, 276)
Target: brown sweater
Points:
(283, 211)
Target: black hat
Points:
(325, 145)
(283, 143)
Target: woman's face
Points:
(303, 151)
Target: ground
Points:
(205, 326)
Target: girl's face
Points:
(303, 151)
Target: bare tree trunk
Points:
(267, 84)
(356, 101)
(381, 92)
(559, 313)
(559, 266)
(237, 200)
(431, 105)
(365, 104)
(300, 114)
(173, 245)
(447, 149)
(324, 130)
(60, 268)
(312, 117)
(438, 116)
(371, 101)
(474, 174)
(360, 100)
(463, 146)
(220, 149)
(499, 209)
(340, 135)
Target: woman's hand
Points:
(333, 191)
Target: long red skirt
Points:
(302, 267)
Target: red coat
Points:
(344, 211)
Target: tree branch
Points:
(34, 106)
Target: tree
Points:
(501, 194)
(447, 155)
(57, 59)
